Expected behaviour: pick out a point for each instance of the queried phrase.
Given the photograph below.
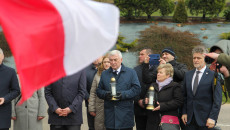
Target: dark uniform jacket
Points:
(9, 89)
(66, 92)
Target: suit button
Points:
(25, 106)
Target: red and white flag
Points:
(50, 39)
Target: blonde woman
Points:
(168, 96)
(96, 105)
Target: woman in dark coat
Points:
(168, 95)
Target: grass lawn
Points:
(224, 99)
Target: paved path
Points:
(223, 121)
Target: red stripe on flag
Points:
(35, 33)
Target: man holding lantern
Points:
(118, 105)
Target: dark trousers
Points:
(90, 120)
(5, 129)
(153, 120)
(194, 126)
(141, 122)
(65, 127)
(120, 129)
(182, 126)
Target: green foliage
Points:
(134, 8)
(4, 45)
(225, 36)
(122, 49)
(180, 14)
(122, 46)
(224, 99)
(205, 7)
(166, 7)
(159, 37)
(227, 14)
(149, 6)
(129, 8)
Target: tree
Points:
(180, 14)
(205, 7)
(166, 7)
(150, 6)
(135, 8)
(227, 14)
(129, 8)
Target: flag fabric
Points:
(50, 39)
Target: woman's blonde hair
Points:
(168, 69)
(101, 66)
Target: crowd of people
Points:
(191, 98)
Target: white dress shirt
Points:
(118, 70)
(200, 75)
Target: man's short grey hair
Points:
(148, 51)
(1, 51)
(199, 49)
(115, 52)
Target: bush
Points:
(227, 14)
(159, 37)
(225, 36)
(166, 7)
(4, 45)
(122, 46)
(180, 14)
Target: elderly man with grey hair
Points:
(119, 113)
(202, 95)
(9, 89)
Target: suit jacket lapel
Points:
(204, 76)
(190, 76)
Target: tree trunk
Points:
(203, 16)
(149, 16)
(129, 14)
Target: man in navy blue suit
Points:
(202, 97)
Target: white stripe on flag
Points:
(91, 28)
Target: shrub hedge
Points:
(159, 37)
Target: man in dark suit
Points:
(9, 89)
(202, 96)
(64, 98)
